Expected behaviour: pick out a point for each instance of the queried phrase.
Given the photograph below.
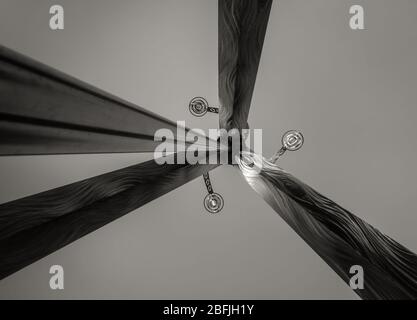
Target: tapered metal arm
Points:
(339, 237)
(242, 28)
(44, 111)
(38, 225)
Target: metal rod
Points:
(207, 182)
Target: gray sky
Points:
(352, 94)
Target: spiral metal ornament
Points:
(213, 203)
(292, 140)
(198, 106)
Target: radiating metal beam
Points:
(33, 227)
(44, 111)
(340, 238)
(242, 28)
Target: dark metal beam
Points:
(242, 28)
(33, 227)
(44, 111)
(339, 237)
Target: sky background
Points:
(352, 94)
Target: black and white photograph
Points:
(214, 151)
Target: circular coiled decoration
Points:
(198, 106)
(292, 140)
(213, 203)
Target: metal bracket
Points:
(199, 107)
(292, 141)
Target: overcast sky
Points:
(352, 94)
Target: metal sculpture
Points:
(74, 117)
